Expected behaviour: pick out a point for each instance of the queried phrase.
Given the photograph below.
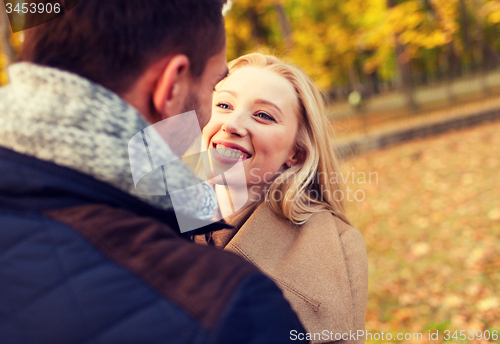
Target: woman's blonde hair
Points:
(305, 188)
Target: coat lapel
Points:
(306, 261)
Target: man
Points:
(84, 256)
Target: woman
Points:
(276, 180)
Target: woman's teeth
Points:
(230, 152)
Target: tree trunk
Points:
(5, 32)
(454, 68)
(374, 82)
(284, 24)
(354, 78)
(483, 62)
(404, 69)
(258, 32)
(453, 63)
(466, 34)
(488, 57)
(405, 73)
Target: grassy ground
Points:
(431, 223)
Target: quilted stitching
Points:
(66, 285)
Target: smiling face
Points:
(254, 118)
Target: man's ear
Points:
(172, 88)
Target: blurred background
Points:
(413, 94)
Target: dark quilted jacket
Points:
(82, 262)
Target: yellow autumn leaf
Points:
(487, 304)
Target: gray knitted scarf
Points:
(63, 118)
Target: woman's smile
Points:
(229, 153)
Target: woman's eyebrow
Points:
(267, 102)
(257, 101)
(234, 94)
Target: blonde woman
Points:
(290, 220)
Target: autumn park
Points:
(430, 213)
(431, 222)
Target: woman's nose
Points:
(236, 125)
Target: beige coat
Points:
(321, 266)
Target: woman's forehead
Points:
(253, 82)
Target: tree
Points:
(403, 61)
(6, 50)
(365, 42)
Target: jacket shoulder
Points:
(321, 266)
(356, 265)
(326, 222)
(220, 290)
(188, 275)
(103, 273)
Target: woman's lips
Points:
(228, 155)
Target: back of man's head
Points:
(112, 42)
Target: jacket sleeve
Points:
(357, 270)
(259, 314)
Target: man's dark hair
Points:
(111, 42)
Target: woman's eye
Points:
(224, 106)
(265, 116)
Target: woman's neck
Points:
(234, 199)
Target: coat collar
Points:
(222, 237)
(65, 119)
(31, 185)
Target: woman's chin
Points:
(233, 176)
(229, 171)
